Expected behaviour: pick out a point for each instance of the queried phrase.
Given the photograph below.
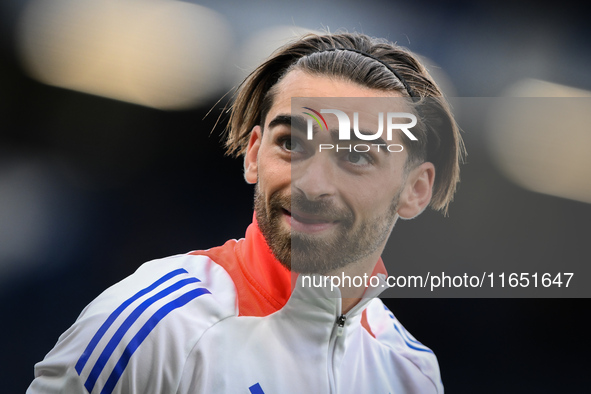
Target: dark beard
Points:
(309, 254)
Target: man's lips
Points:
(308, 223)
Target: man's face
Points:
(322, 210)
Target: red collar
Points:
(263, 284)
(258, 264)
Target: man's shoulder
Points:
(193, 267)
(147, 323)
(182, 277)
(412, 355)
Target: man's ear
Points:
(417, 192)
(252, 152)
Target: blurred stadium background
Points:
(107, 160)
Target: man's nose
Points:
(315, 178)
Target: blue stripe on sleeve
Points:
(132, 318)
(405, 336)
(143, 333)
(256, 389)
(101, 331)
(422, 349)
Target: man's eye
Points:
(291, 145)
(358, 158)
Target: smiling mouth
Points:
(309, 219)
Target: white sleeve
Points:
(135, 337)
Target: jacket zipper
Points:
(341, 325)
(337, 332)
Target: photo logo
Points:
(316, 119)
(345, 129)
(345, 124)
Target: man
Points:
(239, 318)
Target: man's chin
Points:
(306, 262)
(303, 252)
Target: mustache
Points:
(325, 208)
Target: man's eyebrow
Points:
(295, 121)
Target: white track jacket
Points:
(228, 320)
